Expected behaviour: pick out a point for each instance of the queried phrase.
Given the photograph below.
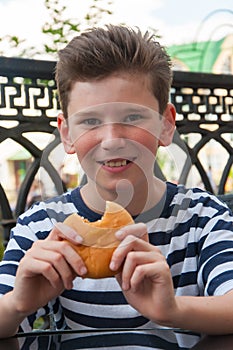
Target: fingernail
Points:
(83, 270)
(69, 232)
(119, 234)
(125, 286)
(112, 266)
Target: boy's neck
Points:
(136, 202)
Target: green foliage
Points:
(58, 30)
(41, 323)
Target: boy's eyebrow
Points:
(137, 108)
(127, 110)
(85, 113)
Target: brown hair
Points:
(101, 52)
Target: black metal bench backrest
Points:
(227, 198)
(28, 98)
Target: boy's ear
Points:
(169, 124)
(65, 134)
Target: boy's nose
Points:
(113, 137)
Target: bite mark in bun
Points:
(99, 241)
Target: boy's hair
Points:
(100, 52)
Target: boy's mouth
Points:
(115, 163)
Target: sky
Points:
(176, 21)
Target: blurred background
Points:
(195, 32)
(198, 35)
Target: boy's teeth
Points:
(116, 163)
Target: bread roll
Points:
(99, 241)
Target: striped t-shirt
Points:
(192, 228)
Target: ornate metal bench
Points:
(28, 105)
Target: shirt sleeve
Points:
(21, 239)
(216, 253)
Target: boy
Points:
(114, 86)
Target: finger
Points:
(62, 231)
(128, 244)
(40, 267)
(133, 260)
(74, 259)
(57, 261)
(158, 272)
(137, 230)
(56, 252)
(51, 274)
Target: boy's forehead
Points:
(123, 89)
(115, 109)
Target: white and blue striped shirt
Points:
(193, 230)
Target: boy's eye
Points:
(91, 122)
(133, 118)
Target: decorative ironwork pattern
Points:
(204, 104)
(28, 104)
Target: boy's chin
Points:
(121, 192)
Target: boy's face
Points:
(114, 128)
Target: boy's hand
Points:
(47, 268)
(145, 278)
